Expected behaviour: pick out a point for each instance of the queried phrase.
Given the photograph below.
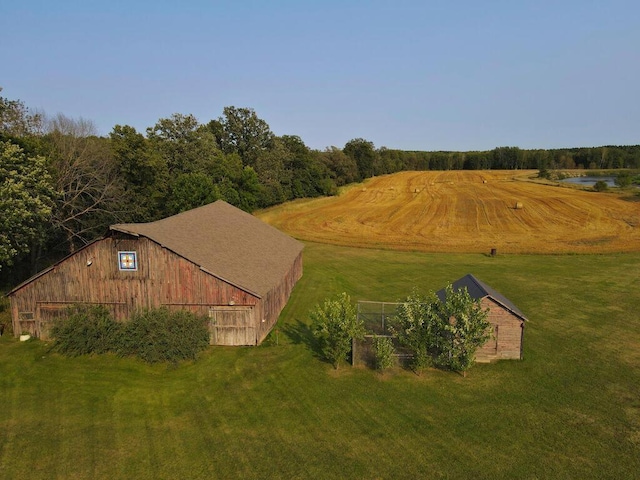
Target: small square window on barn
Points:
(127, 261)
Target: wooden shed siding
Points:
(509, 328)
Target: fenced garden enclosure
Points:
(377, 317)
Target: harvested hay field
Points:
(465, 211)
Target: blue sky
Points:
(407, 74)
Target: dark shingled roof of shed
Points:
(226, 242)
(478, 290)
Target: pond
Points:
(590, 181)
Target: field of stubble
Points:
(466, 211)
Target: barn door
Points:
(231, 325)
(46, 315)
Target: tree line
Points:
(62, 184)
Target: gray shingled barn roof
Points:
(478, 290)
(226, 242)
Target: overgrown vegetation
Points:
(86, 330)
(162, 335)
(445, 333)
(463, 329)
(336, 325)
(416, 325)
(623, 179)
(157, 335)
(383, 352)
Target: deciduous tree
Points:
(465, 328)
(143, 175)
(342, 168)
(364, 154)
(185, 145)
(417, 326)
(191, 190)
(446, 333)
(336, 324)
(242, 132)
(26, 201)
(16, 120)
(85, 179)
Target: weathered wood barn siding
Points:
(163, 278)
(277, 298)
(507, 321)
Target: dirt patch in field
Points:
(465, 211)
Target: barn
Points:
(215, 260)
(507, 321)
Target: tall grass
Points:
(570, 409)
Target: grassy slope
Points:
(569, 410)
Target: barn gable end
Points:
(194, 261)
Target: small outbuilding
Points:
(215, 260)
(507, 321)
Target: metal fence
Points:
(376, 316)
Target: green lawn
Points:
(570, 409)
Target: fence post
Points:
(353, 352)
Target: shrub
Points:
(153, 335)
(623, 179)
(86, 329)
(601, 186)
(383, 351)
(161, 335)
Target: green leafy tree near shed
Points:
(443, 332)
(417, 327)
(336, 324)
(464, 328)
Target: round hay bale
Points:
(519, 206)
(417, 190)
